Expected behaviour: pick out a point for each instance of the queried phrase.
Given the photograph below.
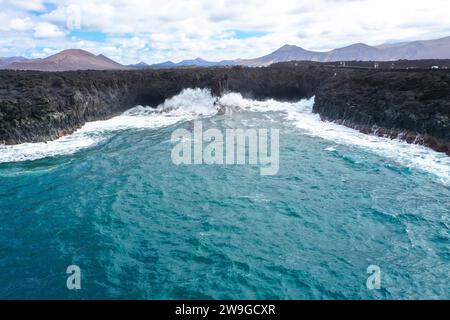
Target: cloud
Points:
(160, 30)
(35, 5)
(21, 24)
(47, 30)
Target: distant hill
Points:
(196, 62)
(415, 50)
(9, 60)
(358, 51)
(188, 63)
(76, 59)
(72, 59)
(167, 64)
(140, 65)
(285, 53)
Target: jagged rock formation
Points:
(413, 106)
(40, 106)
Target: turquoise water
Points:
(140, 227)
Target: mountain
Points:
(76, 59)
(357, 51)
(196, 62)
(139, 65)
(285, 53)
(229, 62)
(415, 50)
(9, 60)
(72, 59)
(167, 64)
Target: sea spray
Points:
(234, 147)
(193, 104)
(125, 214)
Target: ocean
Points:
(110, 200)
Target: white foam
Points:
(188, 105)
(408, 155)
(232, 100)
(300, 114)
(193, 103)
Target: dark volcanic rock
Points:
(40, 106)
(413, 106)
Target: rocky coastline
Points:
(411, 104)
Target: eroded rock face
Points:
(413, 105)
(41, 106)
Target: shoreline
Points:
(410, 105)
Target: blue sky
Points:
(97, 36)
(159, 30)
(242, 34)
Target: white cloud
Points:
(159, 30)
(35, 5)
(47, 30)
(21, 24)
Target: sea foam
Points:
(192, 104)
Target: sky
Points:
(130, 31)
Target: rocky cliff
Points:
(39, 106)
(414, 105)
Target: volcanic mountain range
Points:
(76, 59)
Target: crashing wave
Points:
(191, 104)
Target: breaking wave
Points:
(188, 105)
(191, 104)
